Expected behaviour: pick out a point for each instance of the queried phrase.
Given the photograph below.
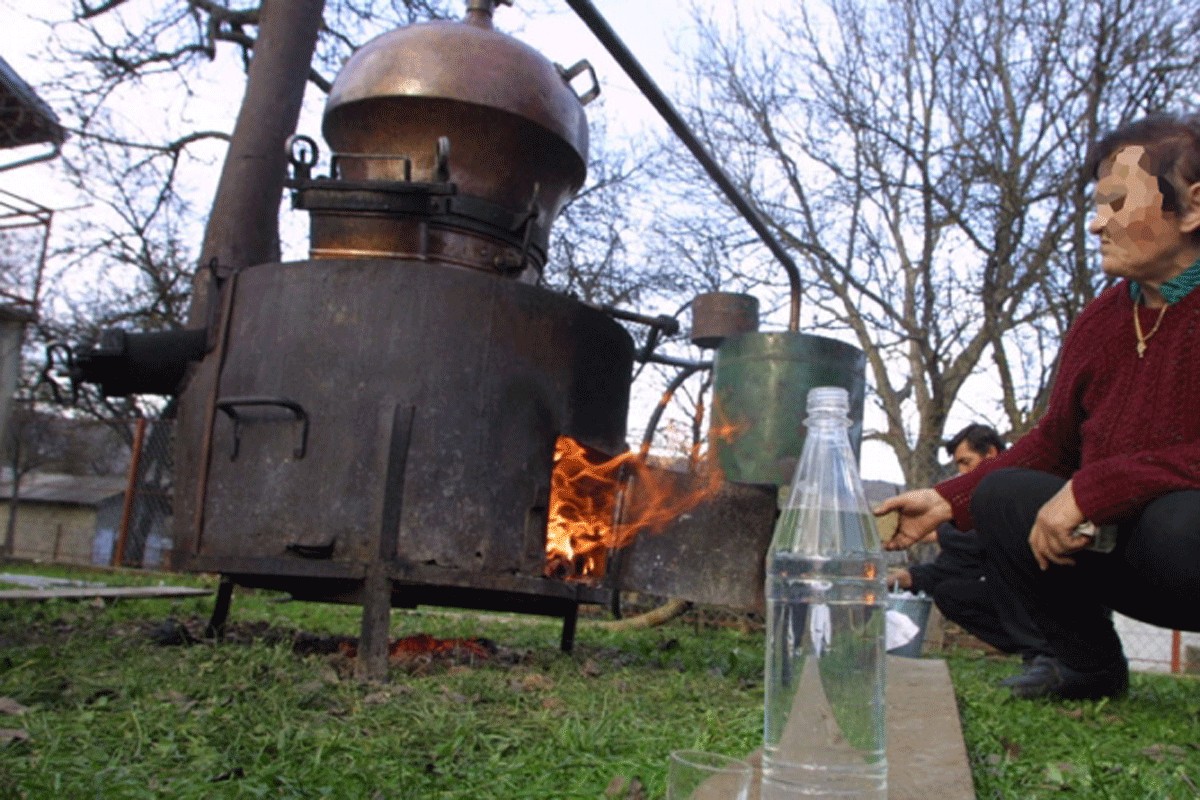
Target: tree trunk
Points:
(243, 227)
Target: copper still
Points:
(377, 424)
(477, 136)
(385, 413)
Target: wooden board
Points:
(104, 592)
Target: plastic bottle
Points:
(824, 727)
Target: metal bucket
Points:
(760, 388)
(916, 608)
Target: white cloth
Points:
(820, 629)
(900, 629)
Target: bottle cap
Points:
(829, 400)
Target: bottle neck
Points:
(827, 422)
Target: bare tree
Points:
(594, 254)
(922, 159)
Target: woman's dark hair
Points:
(978, 437)
(1172, 143)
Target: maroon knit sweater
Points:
(1125, 430)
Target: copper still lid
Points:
(512, 117)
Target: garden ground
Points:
(126, 699)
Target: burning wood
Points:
(598, 504)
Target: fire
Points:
(422, 644)
(599, 504)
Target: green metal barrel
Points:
(760, 388)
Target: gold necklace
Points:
(1137, 328)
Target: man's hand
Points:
(900, 578)
(921, 511)
(1051, 538)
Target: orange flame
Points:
(421, 644)
(599, 504)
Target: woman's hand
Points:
(1052, 538)
(921, 511)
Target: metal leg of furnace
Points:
(372, 664)
(220, 614)
(570, 617)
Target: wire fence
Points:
(1153, 649)
(144, 535)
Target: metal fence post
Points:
(139, 435)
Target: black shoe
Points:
(1030, 670)
(1055, 680)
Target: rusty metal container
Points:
(407, 411)
(714, 554)
(378, 424)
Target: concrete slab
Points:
(926, 754)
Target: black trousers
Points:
(955, 581)
(969, 603)
(1152, 575)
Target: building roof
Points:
(24, 117)
(70, 490)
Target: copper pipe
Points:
(672, 387)
(479, 12)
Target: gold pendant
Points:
(1141, 348)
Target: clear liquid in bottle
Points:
(824, 717)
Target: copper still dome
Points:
(517, 130)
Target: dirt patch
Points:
(415, 653)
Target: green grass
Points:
(1142, 746)
(113, 715)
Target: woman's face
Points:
(1138, 240)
